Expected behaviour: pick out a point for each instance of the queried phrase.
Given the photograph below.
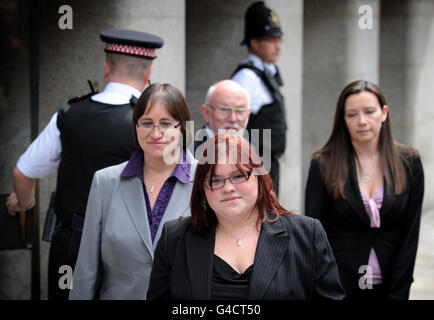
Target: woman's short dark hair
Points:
(239, 152)
(171, 97)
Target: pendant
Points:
(239, 243)
(366, 178)
(152, 188)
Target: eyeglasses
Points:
(148, 126)
(225, 112)
(217, 183)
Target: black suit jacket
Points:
(293, 260)
(348, 228)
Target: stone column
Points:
(363, 40)
(340, 46)
(407, 78)
(420, 79)
(291, 68)
(214, 32)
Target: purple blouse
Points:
(372, 206)
(181, 173)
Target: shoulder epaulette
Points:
(248, 65)
(79, 98)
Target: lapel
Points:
(272, 245)
(134, 199)
(178, 206)
(352, 193)
(200, 253)
(179, 202)
(388, 199)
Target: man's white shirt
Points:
(42, 157)
(258, 93)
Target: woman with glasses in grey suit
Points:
(129, 203)
(240, 243)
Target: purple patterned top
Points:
(134, 168)
(372, 206)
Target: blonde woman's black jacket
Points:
(348, 228)
(293, 260)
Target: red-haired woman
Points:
(367, 190)
(239, 242)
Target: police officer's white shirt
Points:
(116, 93)
(42, 157)
(258, 93)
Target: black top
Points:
(293, 261)
(228, 284)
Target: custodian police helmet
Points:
(260, 21)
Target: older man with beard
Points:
(226, 109)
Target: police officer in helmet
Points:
(259, 75)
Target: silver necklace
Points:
(364, 178)
(151, 189)
(238, 239)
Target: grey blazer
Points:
(116, 250)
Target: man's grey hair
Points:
(234, 84)
(209, 93)
(128, 66)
